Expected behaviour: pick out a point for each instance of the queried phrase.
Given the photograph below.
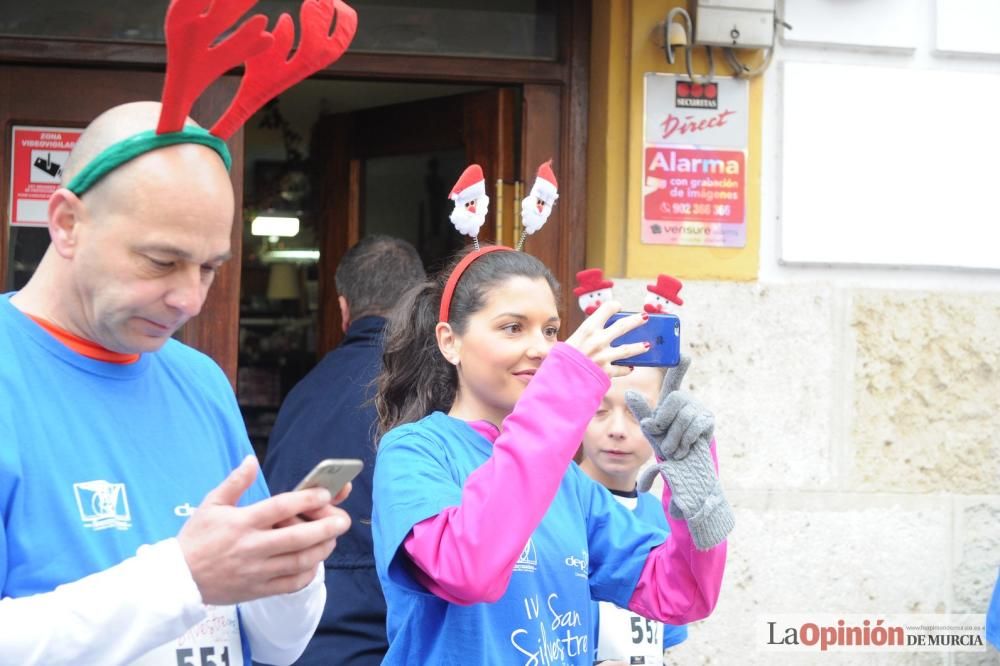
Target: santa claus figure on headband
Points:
(592, 289)
(664, 290)
(471, 202)
(537, 206)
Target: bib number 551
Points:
(206, 656)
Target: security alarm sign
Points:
(38, 155)
(694, 161)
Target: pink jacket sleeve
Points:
(679, 583)
(458, 555)
(458, 558)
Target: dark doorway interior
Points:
(346, 159)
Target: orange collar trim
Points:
(84, 347)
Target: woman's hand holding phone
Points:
(662, 332)
(593, 340)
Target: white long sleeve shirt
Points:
(138, 612)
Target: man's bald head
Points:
(107, 129)
(122, 186)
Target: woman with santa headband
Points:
(489, 543)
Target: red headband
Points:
(449, 287)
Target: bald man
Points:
(136, 528)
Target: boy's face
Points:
(614, 447)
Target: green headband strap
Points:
(117, 154)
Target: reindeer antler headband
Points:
(194, 61)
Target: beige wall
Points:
(856, 432)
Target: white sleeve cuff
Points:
(279, 628)
(113, 616)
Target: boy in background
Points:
(614, 449)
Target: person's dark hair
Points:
(416, 379)
(375, 272)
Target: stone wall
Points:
(857, 440)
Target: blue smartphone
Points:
(662, 331)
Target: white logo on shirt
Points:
(528, 561)
(183, 510)
(579, 565)
(103, 505)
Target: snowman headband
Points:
(196, 57)
(472, 184)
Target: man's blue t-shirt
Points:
(586, 547)
(97, 459)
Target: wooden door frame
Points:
(556, 102)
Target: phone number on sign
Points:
(683, 208)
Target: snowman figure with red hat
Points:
(471, 201)
(592, 289)
(664, 290)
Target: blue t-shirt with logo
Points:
(97, 459)
(586, 547)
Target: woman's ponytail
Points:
(416, 379)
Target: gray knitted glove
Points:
(680, 431)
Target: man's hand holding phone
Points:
(323, 511)
(335, 475)
(240, 553)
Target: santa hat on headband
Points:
(537, 206)
(471, 202)
(666, 288)
(546, 187)
(469, 186)
(592, 289)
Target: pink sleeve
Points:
(459, 555)
(679, 583)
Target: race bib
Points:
(215, 641)
(628, 637)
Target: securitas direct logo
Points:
(697, 95)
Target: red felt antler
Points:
(271, 71)
(193, 62)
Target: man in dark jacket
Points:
(329, 414)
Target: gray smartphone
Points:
(332, 474)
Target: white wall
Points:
(827, 207)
